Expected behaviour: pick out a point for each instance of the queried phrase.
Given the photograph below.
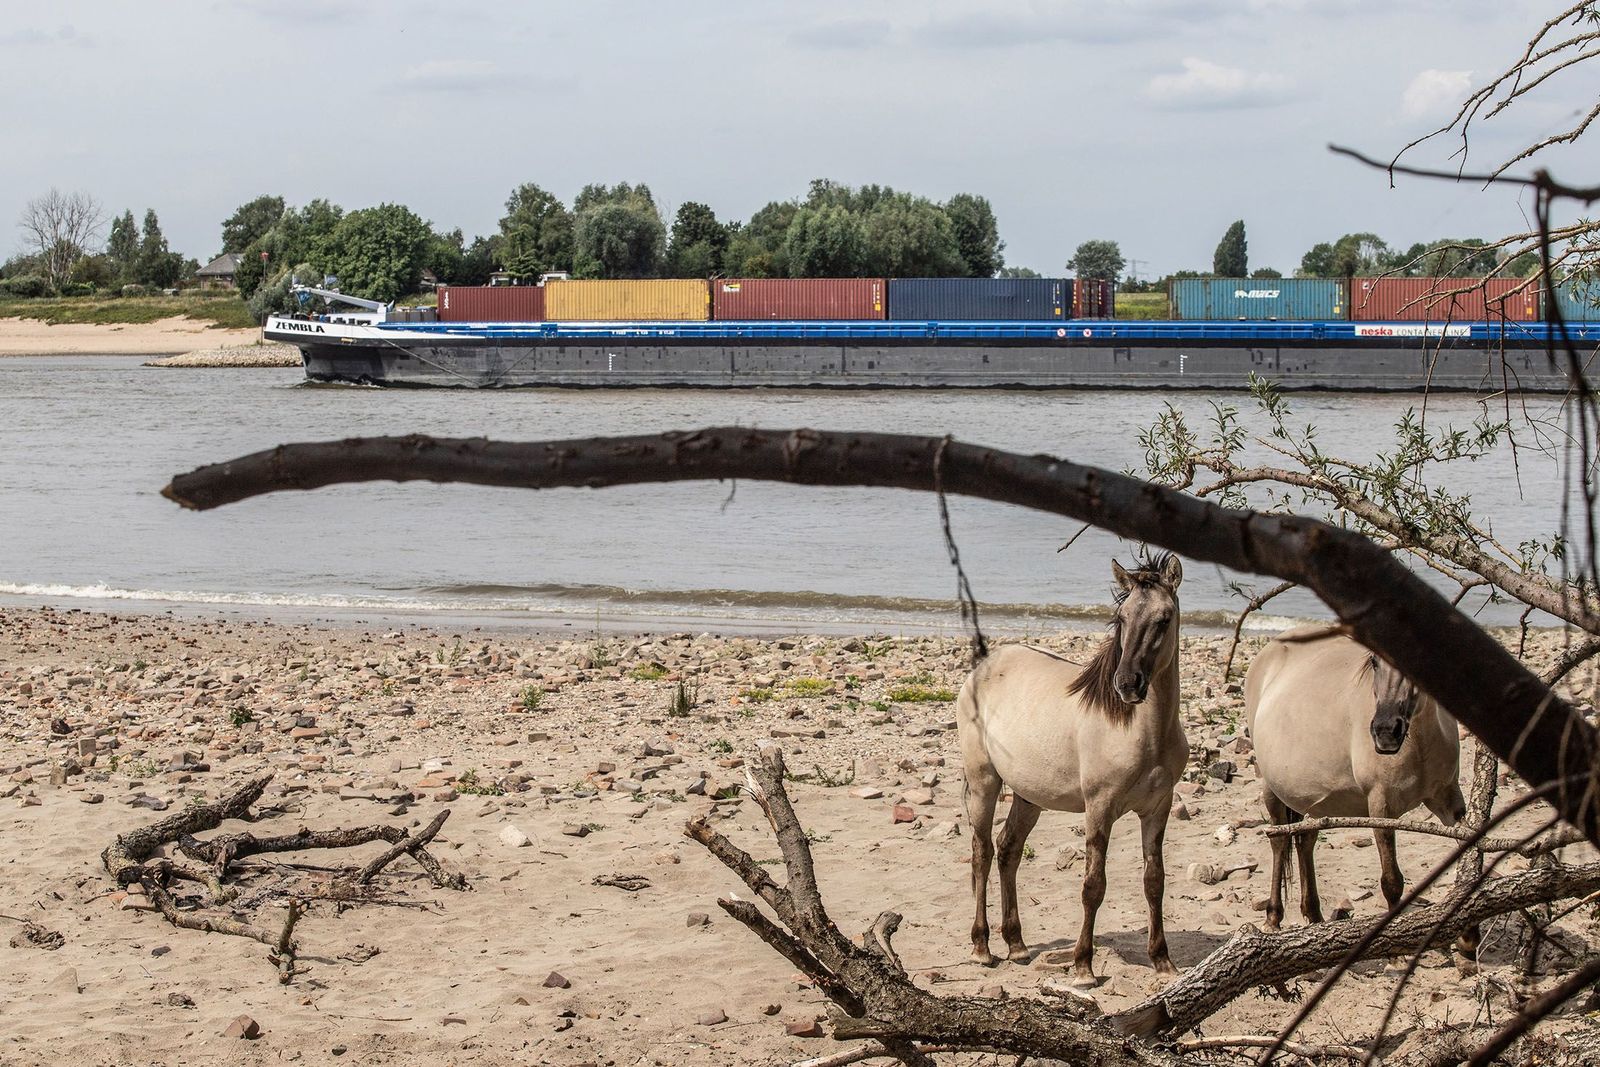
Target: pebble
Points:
(711, 1018)
(514, 837)
(556, 980)
(698, 918)
(802, 1028)
(243, 1027)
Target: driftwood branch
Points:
(125, 857)
(1386, 607)
(417, 848)
(1251, 958)
(1294, 1048)
(876, 998)
(1549, 842)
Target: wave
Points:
(584, 600)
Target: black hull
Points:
(1389, 365)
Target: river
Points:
(86, 443)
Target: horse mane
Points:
(1094, 683)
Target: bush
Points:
(135, 290)
(25, 285)
(77, 289)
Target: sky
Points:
(1154, 123)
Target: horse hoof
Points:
(1083, 980)
(983, 957)
(1017, 953)
(1166, 970)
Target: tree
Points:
(824, 242)
(122, 248)
(910, 237)
(250, 221)
(1098, 259)
(536, 233)
(158, 266)
(618, 232)
(61, 228)
(1231, 259)
(445, 255)
(1466, 257)
(1266, 272)
(697, 242)
(756, 249)
(1017, 272)
(377, 252)
(298, 237)
(1317, 262)
(977, 234)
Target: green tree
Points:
(1231, 259)
(1317, 262)
(246, 225)
(1099, 259)
(1017, 272)
(479, 259)
(1266, 272)
(376, 252)
(910, 237)
(122, 248)
(297, 238)
(824, 242)
(536, 233)
(977, 234)
(756, 249)
(697, 243)
(157, 266)
(444, 256)
(1464, 257)
(617, 232)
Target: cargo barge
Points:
(375, 347)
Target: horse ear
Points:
(1172, 572)
(1124, 582)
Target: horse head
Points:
(1397, 701)
(1146, 624)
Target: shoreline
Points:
(177, 335)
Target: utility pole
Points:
(1133, 268)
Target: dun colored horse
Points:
(1339, 732)
(1071, 738)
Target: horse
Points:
(1104, 739)
(1339, 732)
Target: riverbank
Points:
(571, 741)
(259, 354)
(168, 336)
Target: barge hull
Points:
(638, 362)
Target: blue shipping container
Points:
(1579, 301)
(980, 299)
(1282, 299)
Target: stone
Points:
(919, 796)
(866, 792)
(904, 813)
(1180, 810)
(771, 1009)
(556, 980)
(1223, 770)
(179, 1000)
(802, 1028)
(514, 837)
(1066, 856)
(1344, 909)
(243, 1028)
(575, 829)
(993, 991)
(1204, 873)
(1225, 835)
(698, 918)
(713, 1017)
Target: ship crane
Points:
(380, 310)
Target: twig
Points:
(1535, 1011)
(1549, 843)
(416, 848)
(1294, 1048)
(1256, 603)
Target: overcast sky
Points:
(1152, 122)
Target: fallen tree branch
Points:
(876, 998)
(417, 848)
(1386, 607)
(124, 858)
(1559, 838)
(1251, 958)
(1294, 1048)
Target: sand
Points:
(259, 354)
(31, 337)
(424, 975)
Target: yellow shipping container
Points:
(664, 299)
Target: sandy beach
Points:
(569, 743)
(31, 337)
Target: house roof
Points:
(227, 263)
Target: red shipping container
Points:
(491, 303)
(1093, 298)
(797, 298)
(1432, 300)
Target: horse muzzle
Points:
(1388, 740)
(1132, 694)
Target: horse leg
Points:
(1392, 880)
(1013, 835)
(981, 793)
(1152, 831)
(1305, 846)
(1280, 815)
(1097, 832)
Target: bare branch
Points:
(1549, 843)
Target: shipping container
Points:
(980, 299)
(1258, 299)
(647, 300)
(1579, 301)
(1094, 298)
(1434, 299)
(491, 303)
(797, 298)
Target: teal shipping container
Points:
(1259, 299)
(1579, 301)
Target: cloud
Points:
(32, 35)
(843, 33)
(1204, 85)
(1435, 91)
(454, 76)
(1010, 29)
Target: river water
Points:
(87, 443)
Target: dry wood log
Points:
(1560, 837)
(877, 998)
(223, 850)
(124, 858)
(1251, 958)
(416, 848)
(1386, 607)
(1294, 1048)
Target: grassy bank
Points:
(1141, 305)
(223, 309)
